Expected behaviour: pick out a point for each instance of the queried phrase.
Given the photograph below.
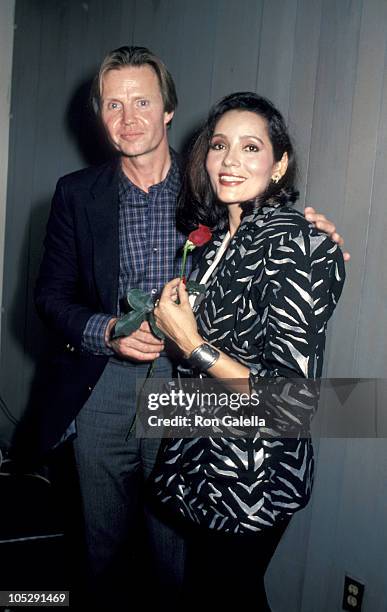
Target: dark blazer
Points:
(267, 305)
(78, 278)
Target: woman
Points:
(272, 282)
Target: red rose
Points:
(200, 236)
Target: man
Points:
(112, 228)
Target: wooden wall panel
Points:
(363, 511)
(331, 136)
(195, 69)
(7, 17)
(289, 564)
(276, 54)
(359, 178)
(14, 359)
(302, 89)
(335, 84)
(371, 341)
(324, 526)
(236, 52)
(127, 24)
(370, 154)
(347, 538)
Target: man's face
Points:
(132, 110)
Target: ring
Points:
(157, 303)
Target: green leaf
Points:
(195, 288)
(139, 300)
(128, 324)
(155, 330)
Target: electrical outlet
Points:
(353, 594)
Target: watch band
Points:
(203, 356)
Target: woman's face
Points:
(240, 160)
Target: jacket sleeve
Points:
(296, 295)
(302, 283)
(59, 295)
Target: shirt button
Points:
(155, 249)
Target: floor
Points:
(40, 531)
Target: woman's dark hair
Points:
(197, 202)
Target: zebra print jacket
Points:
(267, 305)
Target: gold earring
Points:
(276, 177)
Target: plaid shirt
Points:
(148, 246)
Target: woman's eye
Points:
(251, 148)
(217, 146)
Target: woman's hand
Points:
(177, 320)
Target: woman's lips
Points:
(231, 180)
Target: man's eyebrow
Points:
(118, 96)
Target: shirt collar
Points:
(172, 181)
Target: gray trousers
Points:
(112, 469)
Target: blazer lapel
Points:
(241, 243)
(204, 257)
(102, 212)
(233, 257)
(223, 283)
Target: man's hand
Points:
(141, 345)
(326, 226)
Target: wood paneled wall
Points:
(7, 10)
(323, 62)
